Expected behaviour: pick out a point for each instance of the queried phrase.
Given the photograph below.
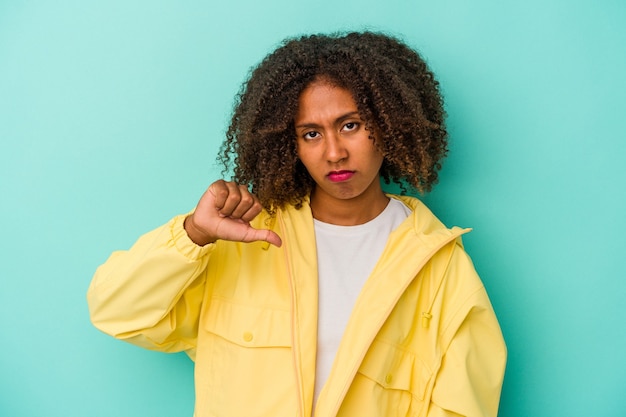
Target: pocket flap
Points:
(249, 326)
(395, 368)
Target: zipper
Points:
(293, 323)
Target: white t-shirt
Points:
(346, 255)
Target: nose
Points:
(335, 149)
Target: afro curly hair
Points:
(396, 94)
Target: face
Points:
(335, 147)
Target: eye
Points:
(350, 126)
(310, 135)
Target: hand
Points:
(224, 212)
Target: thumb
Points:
(265, 235)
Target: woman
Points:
(300, 288)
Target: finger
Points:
(232, 201)
(247, 200)
(273, 238)
(219, 191)
(265, 235)
(253, 211)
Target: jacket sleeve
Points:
(151, 294)
(470, 378)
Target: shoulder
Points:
(424, 222)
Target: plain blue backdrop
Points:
(111, 113)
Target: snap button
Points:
(388, 378)
(247, 336)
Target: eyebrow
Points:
(338, 119)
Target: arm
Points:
(152, 294)
(472, 369)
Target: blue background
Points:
(111, 113)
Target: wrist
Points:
(196, 235)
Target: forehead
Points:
(322, 99)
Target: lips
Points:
(340, 176)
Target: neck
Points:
(348, 212)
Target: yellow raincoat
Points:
(422, 340)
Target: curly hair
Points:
(395, 92)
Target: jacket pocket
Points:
(391, 381)
(249, 326)
(246, 368)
